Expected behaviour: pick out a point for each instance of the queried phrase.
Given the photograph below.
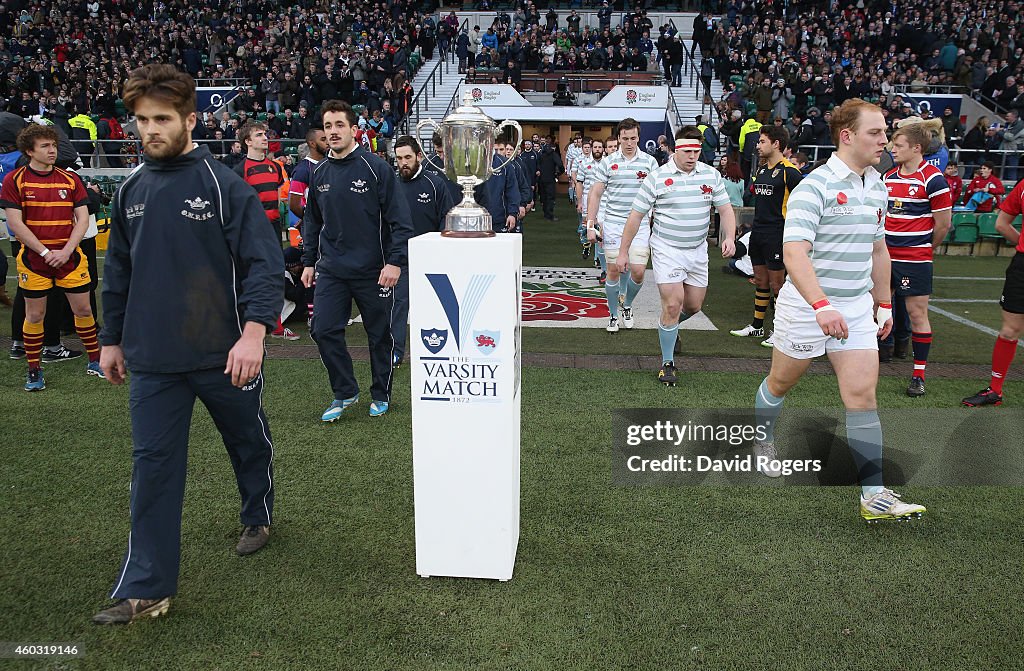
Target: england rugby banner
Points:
(464, 325)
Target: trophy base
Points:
(468, 234)
(468, 220)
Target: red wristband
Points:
(820, 304)
(885, 306)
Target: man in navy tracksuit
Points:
(529, 161)
(429, 197)
(355, 234)
(499, 195)
(523, 183)
(193, 279)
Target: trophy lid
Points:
(468, 113)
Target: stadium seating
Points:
(965, 233)
(987, 226)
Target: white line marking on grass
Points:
(963, 320)
(963, 300)
(983, 279)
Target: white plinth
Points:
(464, 332)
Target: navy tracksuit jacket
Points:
(190, 260)
(355, 223)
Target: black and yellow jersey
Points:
(772, 186)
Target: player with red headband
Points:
(681, 194)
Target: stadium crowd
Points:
(795, 63)
(67, 61)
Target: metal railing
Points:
(129, 152)
(579, 82)
(1007, 161)
(955, 89)
(689, 69)
(421, 99)
(236, 82)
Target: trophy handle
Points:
(426, 123)
(519, 140)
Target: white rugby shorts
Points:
(797, 334)
(639, 249)
(673, 264)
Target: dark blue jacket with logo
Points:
(522, 180)
(501, 194)
(189, 261)
(355, 221)
(429, 197)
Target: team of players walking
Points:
(834, 233)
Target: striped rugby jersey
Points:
(909, 221)
(584, 170)
(266, 177)
(572, 153)
(681, 202)
(841, 215)
(622, 178)
(47, 202)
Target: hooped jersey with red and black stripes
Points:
(914, 199)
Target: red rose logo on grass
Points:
(559, 307)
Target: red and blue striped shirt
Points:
(913, 201)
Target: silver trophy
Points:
(467, 136)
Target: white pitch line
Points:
(983, 279)
(963, 320)
(963, 300)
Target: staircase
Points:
(689, 98)
(434, 86)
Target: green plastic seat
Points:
(987, 226)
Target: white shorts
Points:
(798, 336)
(639, 249)
(673, 265)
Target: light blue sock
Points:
(600, 257)
(767, 407)
(667, 336)
(864, 434)
(611, 289)
(632, 289)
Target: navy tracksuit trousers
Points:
(400, 319)
(332, 307)
(161, 407)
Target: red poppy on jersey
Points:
(913, 201)
(615, 166)
(668, 182)
(841, 198)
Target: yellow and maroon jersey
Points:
(47, 202)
